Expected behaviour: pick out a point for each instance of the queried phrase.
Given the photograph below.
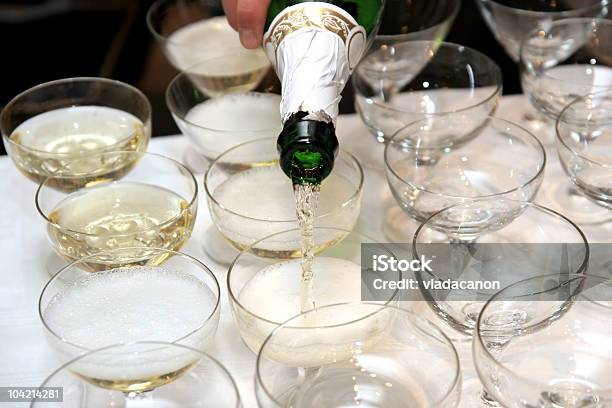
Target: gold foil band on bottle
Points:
(309, 17)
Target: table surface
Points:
(25, 357)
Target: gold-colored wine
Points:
(63, 143)
(306, 203)
(120, 215)
(138, 385)
(227, 67)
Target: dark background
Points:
(43, 40)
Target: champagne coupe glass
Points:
(567, 59)
(264, 292)
(557, 354)
(176, 302)
(418, 20)
(584, 143)
(450, 159)
(152, 204)
(357, 354)
(148, 373)
(495, 240)
(407, 81)
(250, 197)
(191, 31)
(216, 114)
(54, 123)
(510, 20)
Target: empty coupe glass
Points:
(449, 159)
(509, 20)
(357, 354)
(151, 374)
(493, 240)
(584, 145)
(415, 20)
(405, 82)
(546, 342)
(566, 60)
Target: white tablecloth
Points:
(25, 357)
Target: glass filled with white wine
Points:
(176, 302)
(217, 112)
(191, 31)
(57, 122)
(143, 374)
(152, 204)
(250, 197)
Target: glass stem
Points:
(540, 125)
(495, 347)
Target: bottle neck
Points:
(308, 148)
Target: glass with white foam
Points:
(148, 373)
(191, 31)
(358, 354)
(54, 123)
(249, 198)
(264, 292)
(214, 123)
(177, 301)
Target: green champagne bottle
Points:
(314, 46)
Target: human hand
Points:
(248, 18)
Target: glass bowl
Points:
(564, 60)
(57, 122)
(509, 21)
(152, 374)
(357, 354)
(215, 123)
(584, 145)
(150, 202)
(264, 292)
(420, 20)
(191, 31)
(249, 197)
(447, 160)
(177, 302)
(497, 241)
(545, 342)
(400, 84)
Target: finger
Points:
(229, 7)
(250, 18)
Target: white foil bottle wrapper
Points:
(313, 47)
